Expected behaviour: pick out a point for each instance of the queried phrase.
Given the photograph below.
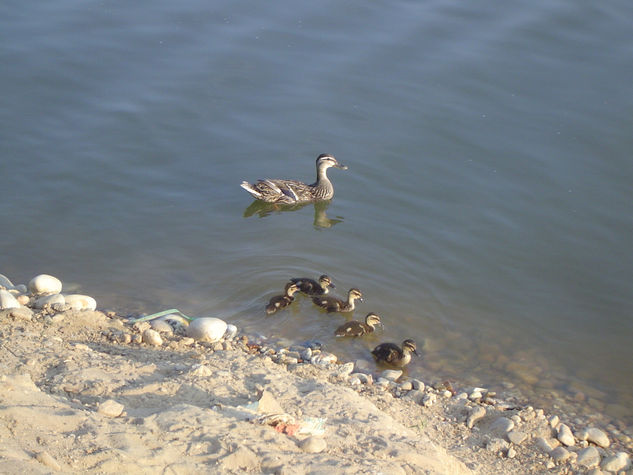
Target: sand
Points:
(76, 395)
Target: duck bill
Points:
(331, 285)
(341, 166)
(415, 353)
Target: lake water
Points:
(487, 211)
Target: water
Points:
(487, 210)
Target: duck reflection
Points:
(321, 220)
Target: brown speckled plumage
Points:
(356, 328)
(333, 304)
(312, 287)
(279, 302)
(293, 191)
(392, 354)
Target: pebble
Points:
(45, 284)
(313, 445)
(21, 313)
(49, 300)
(598, 437)
(589, 457)
(475, 396)
(23, 299)
(161, 326)
(516, 436)
(511, 453)
(231, 331)
(415, 395)
(544, 445)
(417, 384)
(616, 462)
(207, 329)
(429, 399)
(323, 359)
(80, 302)
(475, 414)
(406, 386)
(7, 300)
(391, 374)
(5, 282)
(565, 435)
(152, 337)
(47, 459)
(553, 421)
(110, 408)
(497, 445)
(501, 426)
(560, 454)
(345, 369)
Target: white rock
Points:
(598, 437)
(475, 414)
(5, 282)
(21, 313)
(406, 386)
(49, 300)
(207, 329)
(161, 326)
(152, 337)
(589, 457)
(516, 436)
(345, 369)
(565, 435)
(110, 408)
(616, 462)
(511, 453)
(45, 284)
(23, 299)
(364, 378)
(391, 374)
(543, 444)
(560, 454)
(313, 445)
(323, 359)
(80, 302)
(7, 300)
(501, 426)
(231, 331)
(553, 421)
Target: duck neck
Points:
(323, 185)
(350, 302)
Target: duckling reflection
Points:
(321, 220)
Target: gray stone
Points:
(589, 457)
(501, 427)
(7, 300)
(49, 300)
(496, 445)
(313, 445)
(110, 408)
(616, 462)
(391, 374)
(560, 454)
(543, 444)
(598, 437)
(474, 415)
(5, 282)
(415, 395)
(429, 399)
(565, 435)
(417, 384)
(516, 436)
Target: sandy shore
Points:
(80, 391)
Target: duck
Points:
(293, 191)
(356, 328)
(333, 304)
(392, 354)
(312, 287)
(279, 302)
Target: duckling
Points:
(391, 354)
(279, 302)
(293, 191)
(356, 328)
(332, 304)
(312, 287)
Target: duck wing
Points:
(387, 352)
(352, 328)
(308, 286)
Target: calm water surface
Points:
(487, 210)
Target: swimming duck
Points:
(391, 354)
(332, 304)
(279, 302)
(312, 287)
(356, 328)
(293, 191)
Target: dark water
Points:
(487, 211)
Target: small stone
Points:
(501, 426)
(110, 408)
(429, 399)
(5, 282)
(152, 337)
(560, 454)
(7, 300)
(475, 414)
(516, 419)
(461, 396)
(80, 302)
(345, 370)
(406, 386)
(50, 299)
(231, 331)
(565, 435)
(511, 453)
(45, 284)
(616, 462)
(23, 299)
(475, 396)
(323, 359)
(417, 384)
(553, 421)
(598, 437)
(497, 445)
(138, 339)
(447, 393)
(516, 436)
(364, 378)
(543, 444)
(162, 326)
(391, 374)
(47, 459)
(187, 341)
(589, 457)
(415, 395)
(22, 313)
(313, 445)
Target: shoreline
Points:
(127, 400)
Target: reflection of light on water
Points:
(321, 220)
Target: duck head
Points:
(409, 345)
(325, 160)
